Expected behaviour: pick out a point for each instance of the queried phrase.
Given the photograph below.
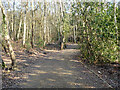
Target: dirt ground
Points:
(53, 69)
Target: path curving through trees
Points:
(59, 69)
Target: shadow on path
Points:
(58, 69)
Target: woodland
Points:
(31, 25)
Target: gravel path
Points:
(59, 69)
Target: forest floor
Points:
(57, 69)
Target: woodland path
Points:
(60, 69)
(55, 69)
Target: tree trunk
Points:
(18, 34)
(44, 37)
(6, 36)
(61, 26)
(1, 60)
(32, 37)
(24, 34)
(14, 24)
(74, 31)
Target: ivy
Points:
(101, 29)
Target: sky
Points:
(62, 0)
(17, 2)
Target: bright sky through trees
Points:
(61, 0)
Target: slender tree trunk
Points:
(32, 37)
(50, 34)
(7, 37)
(14, 24)
(61, 26)
(18, 34)
(40, 26)
(74, 31)
(44, 37)
(27, 30)
(30, 21)
(1, 60)
(12, 27)
(24, 34)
